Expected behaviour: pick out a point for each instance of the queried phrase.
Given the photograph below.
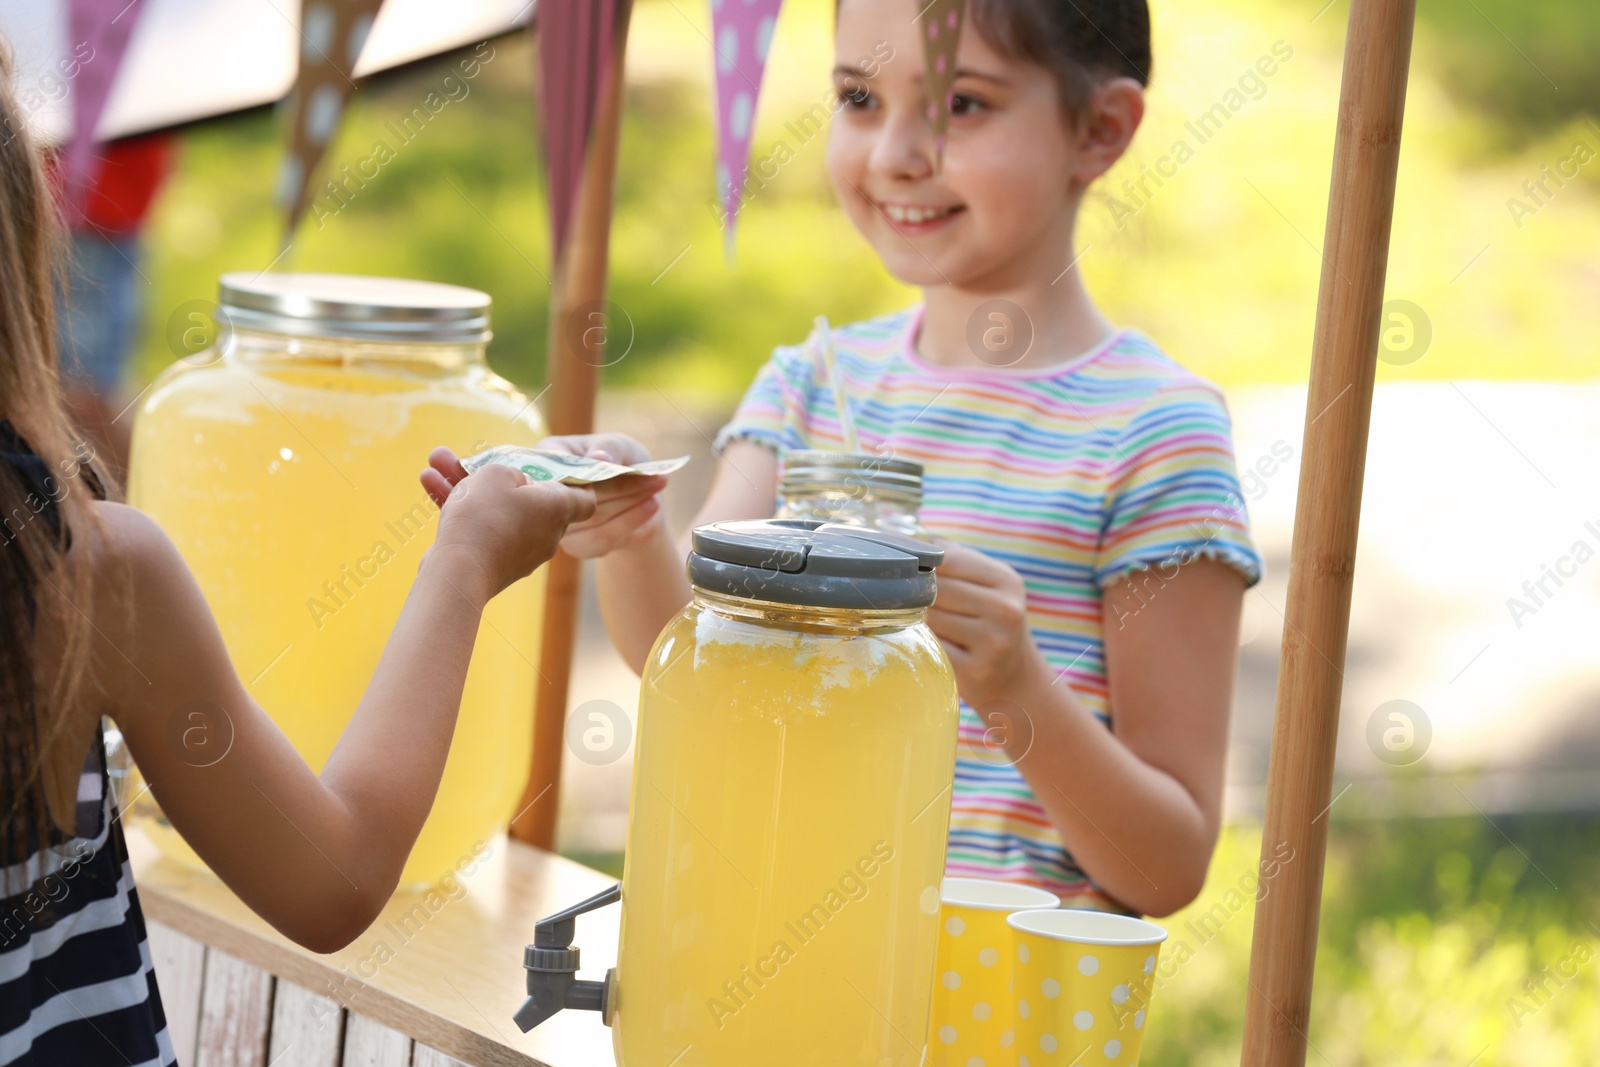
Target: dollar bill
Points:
(544, 466)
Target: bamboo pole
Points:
(580, 279)
(1322, 563)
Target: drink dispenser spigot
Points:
(552, 965)
(791, 798)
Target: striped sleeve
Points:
(774, 409)
(1173, 491)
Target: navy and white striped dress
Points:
(76, 986)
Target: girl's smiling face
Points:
(1015, 162)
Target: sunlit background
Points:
(1460, 907)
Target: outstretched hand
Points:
(506, 523)
(443, 473)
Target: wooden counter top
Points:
(443, 969)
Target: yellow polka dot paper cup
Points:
(1082, 987)
(971, 1024)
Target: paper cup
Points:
(971, 1023)
(1082, 988)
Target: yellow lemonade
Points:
(786, 841)
(290, 487)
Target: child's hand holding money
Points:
(626, 483)
(501, 521)
(627, 511)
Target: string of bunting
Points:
(941, 34)
(332, 34)
(576, 41)
(741, 35)
(100, 31)
(741, 32)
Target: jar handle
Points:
(552, 966)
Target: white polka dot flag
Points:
(103, 27)
(940, 22)
(741, 36)
(332, 34)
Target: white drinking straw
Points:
(847, 424)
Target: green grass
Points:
(1527, 67)
(605, 862)
(1431, 930)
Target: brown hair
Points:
(41, 590)
(1081, 42)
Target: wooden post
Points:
(1322, 563)
(573, 360)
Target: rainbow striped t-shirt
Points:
(1075, 475)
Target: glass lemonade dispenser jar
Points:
(791, 799)
(283, 463)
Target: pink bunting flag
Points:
(332, 34)
(741, 37)
(577, 39)
(941, 33)
(104, 27)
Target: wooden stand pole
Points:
(1316, 624)
(573, 359)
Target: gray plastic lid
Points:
(356, 307)
(814, 564)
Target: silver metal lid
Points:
(393, 310)
(815, 468)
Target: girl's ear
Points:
(1107, 126)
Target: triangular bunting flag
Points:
(941, 33)
(332, 34)
(741, 37)
(105, 27)
(576, 41)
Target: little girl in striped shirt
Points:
(1083, 481)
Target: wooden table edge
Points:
(271, 952)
